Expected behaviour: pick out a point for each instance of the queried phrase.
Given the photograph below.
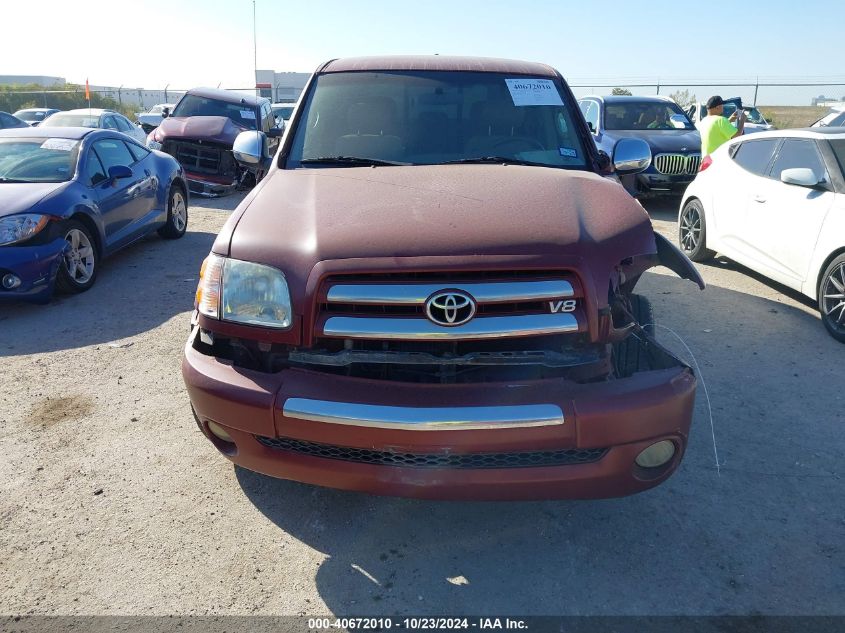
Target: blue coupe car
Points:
(71, 196)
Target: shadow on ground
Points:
(137, 289)
(760, 535)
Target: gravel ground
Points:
(113, 503)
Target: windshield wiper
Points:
(496, 159)
(351, 161)
(4, 179)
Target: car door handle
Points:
(759, 198)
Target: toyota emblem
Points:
(450, 308)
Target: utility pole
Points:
(254, 50)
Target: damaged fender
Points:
(671, 256)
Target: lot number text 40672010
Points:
(413, 624)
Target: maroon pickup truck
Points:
(430, 294)
(200, 131)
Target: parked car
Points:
(34, 116)
(152, 119)
(96, 118)
(8, 121)
(430, 294)
(200, 131)
(775, 202)
(754, 122)
(282, 111)
(835, 117)
(675, 144)
(71, 196)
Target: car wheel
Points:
(78, 269)
(832, 298)
(692, 232)
(177, 214)
(631, 356)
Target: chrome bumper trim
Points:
(416, 294)
(387, 328)
(423, 418)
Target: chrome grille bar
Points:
(423, 418)
(677, 164)
(391, 328)
(416, 294)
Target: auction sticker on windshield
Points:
(63, 144)
(533, 92)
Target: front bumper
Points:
(35, 266)
(651, 182)
(204, 186)
(473, 442)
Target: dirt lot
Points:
(113, 503)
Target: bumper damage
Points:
(550, 438)
(35, 268)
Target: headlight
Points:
(243, 292)
(17, 228)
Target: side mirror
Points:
(250, 148)
(165, 112)
(801, 176)
(276, 132)
(116, 172)
(631, 156)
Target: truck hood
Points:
(662, 141)
(215, 129)
(440, 216)
(21, 197)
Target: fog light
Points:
(10, 281)
(656, 455)
(220, 433)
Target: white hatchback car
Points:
(96, 118)
(775, 202)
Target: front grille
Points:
(677, 164)
(508, 305)
(468, 461)
(201, 158)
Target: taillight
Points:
(705, 163)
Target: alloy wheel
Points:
(833, 297)
(690, 228)
(79, 257)
(179, 212)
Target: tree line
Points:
(19, 97)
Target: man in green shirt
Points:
(716, 129)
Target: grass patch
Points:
(792, 116)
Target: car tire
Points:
(832, 298)
(177, 214)
(80, 261)
(630, 355)
(692, 232)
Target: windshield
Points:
(240, 114)
(645, 115)
(283, 112)
(753, 115)
(418, 117)
(832, 118)
(37, 159)
(30, 115)
(63, 119)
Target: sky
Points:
(186, 43)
